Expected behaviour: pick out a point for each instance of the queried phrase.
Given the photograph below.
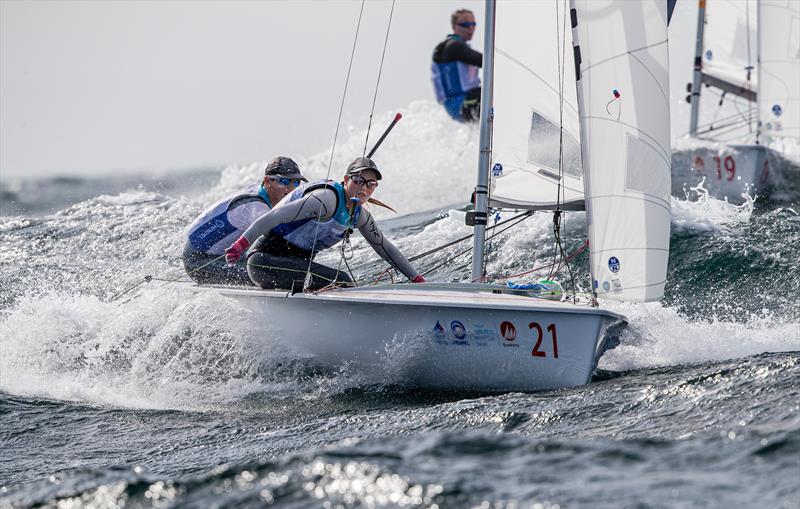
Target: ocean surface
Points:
(157, 401)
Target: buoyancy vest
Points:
(452, 80)
(313, 235)
(214, 229)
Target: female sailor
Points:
(313, 217)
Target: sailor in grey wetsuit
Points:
(454, 70)
(226, 220)
(314, 217)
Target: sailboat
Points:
(748, 54)
(490, 337)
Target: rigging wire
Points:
(336, 133)
(380, 71)
(561, 36)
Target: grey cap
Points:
(360, 164)
(284, 167)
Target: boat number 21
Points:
(536, 352)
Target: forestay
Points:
(729, 41)
(624, 107)
(779, 69)
(532, 55)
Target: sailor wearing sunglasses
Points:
(454, 70)
(226, 220)
(314, 217)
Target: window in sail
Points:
(543, 147)
(646, 170)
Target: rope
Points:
(380, 71)
(147, 279)
(567, 259)
(561, 36)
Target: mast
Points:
(759, 36)
(698, 66)
(576, 52)
(482, 186)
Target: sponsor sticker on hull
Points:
(508, 331)
(459, 333)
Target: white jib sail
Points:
(729, 41)
(623, 91)
(529, 41)
(779, 69)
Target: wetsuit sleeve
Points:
(456, 50)
(318, 204)
(461, 52)
(383, 246)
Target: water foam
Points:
(702, 212)
(660, 336)
(164, 349)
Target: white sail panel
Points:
(729, 41)
(530, 37)
(779, 68)
(623, 91)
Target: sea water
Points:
(165, 400)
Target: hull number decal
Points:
(534, 326)
(730, 167)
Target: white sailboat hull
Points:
(733, 171)
(438, 336)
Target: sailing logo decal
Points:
(497, 170)
(777, 110)
(606, 286)
(613, 264)
(458, 329)
(709, 55)
(439, 334)
(508, 331)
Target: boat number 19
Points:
(536, 352)
(730, 167)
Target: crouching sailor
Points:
(314, 217)
(224, 222)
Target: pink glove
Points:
(419, 278)
(237, 249)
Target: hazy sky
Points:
(90, 87)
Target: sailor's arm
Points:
(461, 52)
(318, 204)
(384, 247)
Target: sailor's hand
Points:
(419, 278)
(237, 249)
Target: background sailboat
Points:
(747, 60)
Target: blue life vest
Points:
(451, 82)
(213, 231)
(327, 233)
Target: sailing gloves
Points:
(237, 249)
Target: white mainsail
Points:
(779, 68)
(729, 41)
(530, 60)
(623, 96)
